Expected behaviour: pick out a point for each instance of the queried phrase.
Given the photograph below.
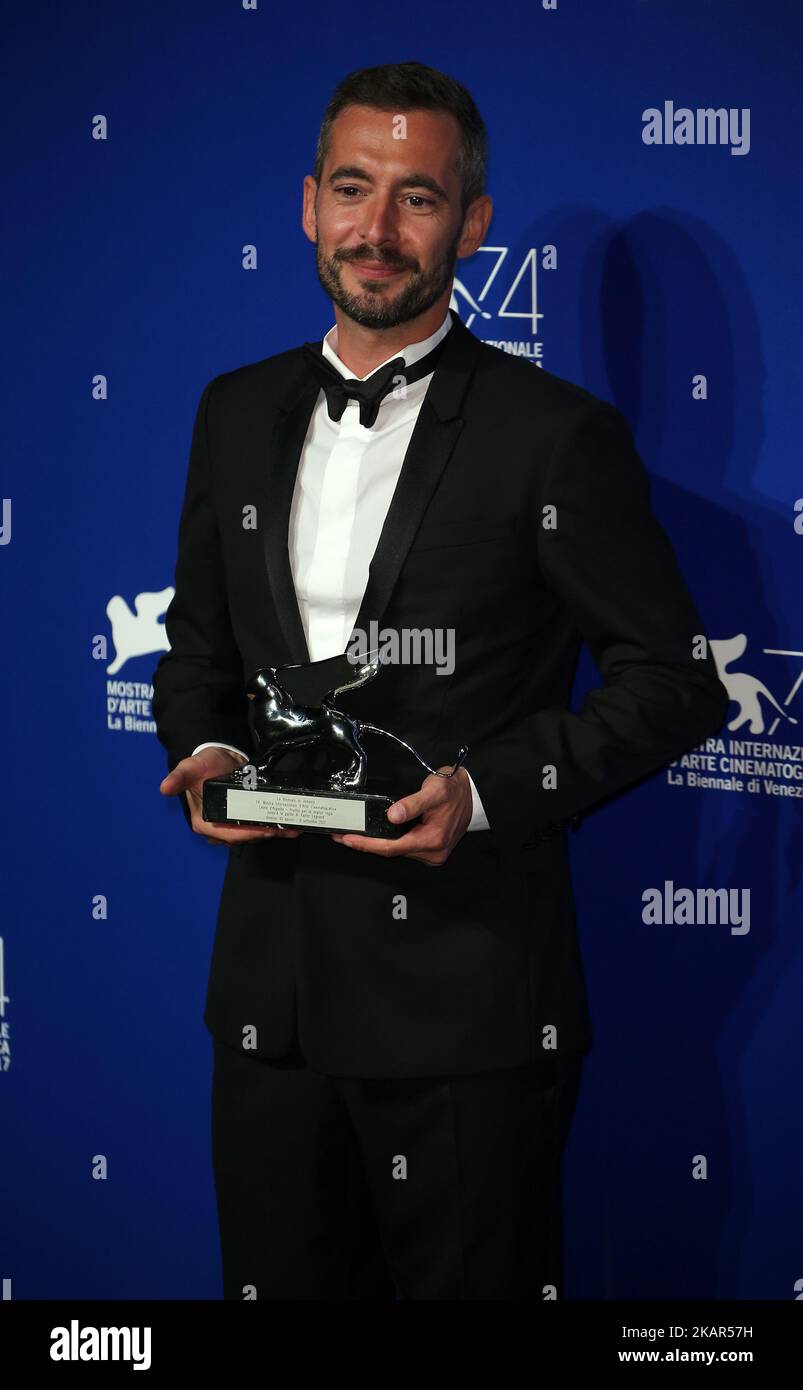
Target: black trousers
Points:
(445, 1187)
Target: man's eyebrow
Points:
(412, 180)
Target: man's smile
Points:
(375, 270)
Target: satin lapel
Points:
(433, 439)
(284, 455)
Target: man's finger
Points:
(431, 857)
(241, 834)
(432, 794)
(183, 775)
(173, 783)
(416, 841)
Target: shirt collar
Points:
(412, 353)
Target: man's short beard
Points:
(373, 310)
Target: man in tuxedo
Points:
(399, 1024)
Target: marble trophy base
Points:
(278, 802)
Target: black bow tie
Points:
(371, 392)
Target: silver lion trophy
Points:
(292, 708)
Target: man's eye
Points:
(348, 188)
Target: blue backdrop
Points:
(672, 291)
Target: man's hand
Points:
(445, 805)
(189, 776)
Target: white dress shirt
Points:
(346, 478)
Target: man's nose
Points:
(378, 224)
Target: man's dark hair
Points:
(407, 87)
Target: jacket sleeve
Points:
(612, 566)
(198, 685)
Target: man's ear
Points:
(475, 225)
(309, 220)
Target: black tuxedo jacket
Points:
(522, 520)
